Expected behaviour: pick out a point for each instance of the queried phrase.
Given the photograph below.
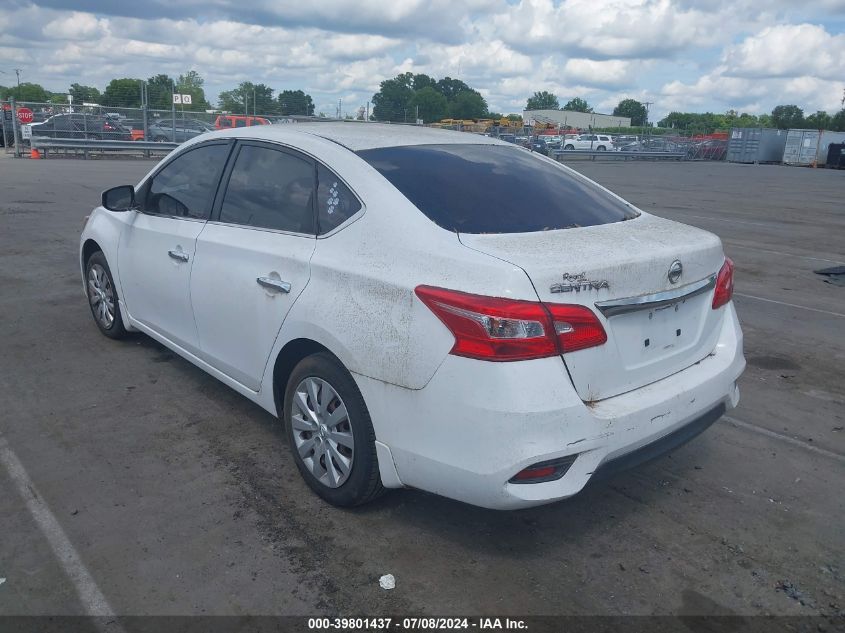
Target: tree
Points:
(295, 102)
(821, 120)
(633, 109)
(577, 105)
(123, 93)
(27, 92)
(542, 101)
(84, 94)
(260, 98)
(390, 103)
(785, 117)
(231, 101)
(191, 83)
(837, 122)
(423, 81)
(451, 88)
(160, 89)
(468, 104)
(432, 105)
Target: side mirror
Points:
(120, 198)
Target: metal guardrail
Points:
(43, 142)
(614, 155)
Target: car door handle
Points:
(273, 284)
(178, 255)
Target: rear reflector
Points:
(724, 284)
(497, 329)
(551, 470)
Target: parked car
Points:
(135, 127)
(597, 142)
(422, 308)
(225, 121)
(162, 129)
(81, 126)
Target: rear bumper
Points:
(476, 424)
(665, 444)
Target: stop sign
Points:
(24, 115)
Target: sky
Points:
(685, 55)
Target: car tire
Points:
(160, 139)
(601, 148)
(322, 446)
(102, 297)
(569, 147)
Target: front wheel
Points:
(569, 147)
(102, 297)
(330, 432)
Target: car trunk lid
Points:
(654, 327)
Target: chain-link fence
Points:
(23, 120)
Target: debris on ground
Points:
(2, 580)
(387, 582)
(834, 275)
(793, 592)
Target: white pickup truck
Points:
(598, 142)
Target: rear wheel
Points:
(601, 148)
(330, 432)
(160, 139)
(569, 147)
(102, 296)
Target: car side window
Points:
(186, 185)
(335, 202)
(270, 189)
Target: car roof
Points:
(358, 136)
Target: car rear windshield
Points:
(494, 189)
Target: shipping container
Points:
(828, 138)
(801, 147)
(756, 145)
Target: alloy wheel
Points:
(101, 295)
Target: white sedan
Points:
(422, 308)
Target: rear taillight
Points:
(497, 329)
(576, 327)
(724, 284)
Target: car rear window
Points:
(494, 189)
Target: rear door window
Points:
(270, 189)
(494, 189)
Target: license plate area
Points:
(655, 334)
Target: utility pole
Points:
(253, 101)
(646, 104)
(18, 73)
(367, 116)
(173, 109)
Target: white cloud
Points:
(789, 50)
